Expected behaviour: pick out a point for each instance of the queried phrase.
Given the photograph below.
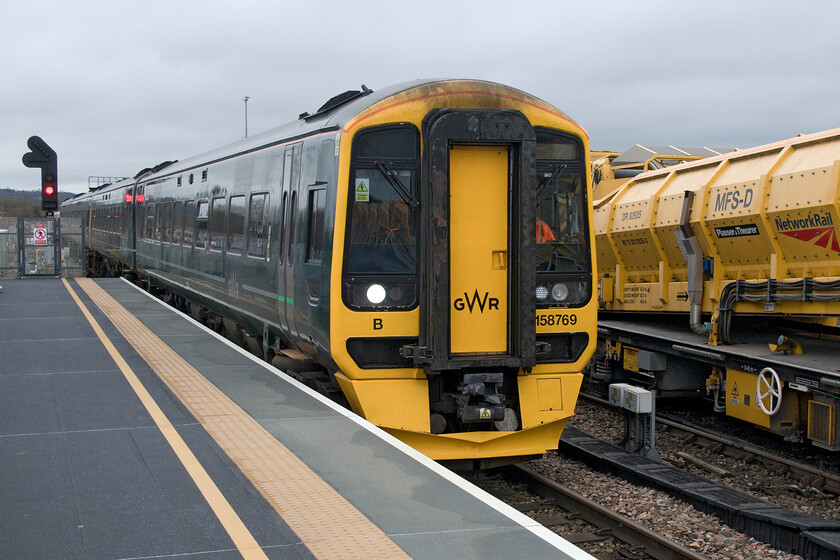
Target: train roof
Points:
(333, 115)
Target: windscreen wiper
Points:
(394, 181)
(555, 172)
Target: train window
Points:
(562, 229)
(158, 221)
(149, 230)
(291, 179)
(189, 220)
(291, 235)
(258, 226)
(149, 222)
(562, 240)
(201, 225)
(551, 147)
(317, 201)
(178, 222)
(282, 228)
(236, 224)
(217, 224)
(396, 143)
(382, 233)
(166, 235)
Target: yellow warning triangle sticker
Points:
(361, 188)
(734, 388)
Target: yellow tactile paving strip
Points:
(238, 532)
(326, 523)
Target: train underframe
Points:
(777, 378)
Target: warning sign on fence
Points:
(40, 235)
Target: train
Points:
(423, 252)
(720, 279)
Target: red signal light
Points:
(49, 190)
(128, 198)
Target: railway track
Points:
(808, 475)
(788, 504)
(742, 451)
(600, 531)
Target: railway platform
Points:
(127, 430)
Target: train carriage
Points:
(424, 251)
(720, 278)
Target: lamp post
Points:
(245, 99)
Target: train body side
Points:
(246, 250)
(107, 216)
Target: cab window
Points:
(383, 203)
(561, 229)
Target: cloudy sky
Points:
(117, 86)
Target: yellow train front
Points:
(461, 308)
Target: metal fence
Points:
(33, 247)
(72, 247)
(9, 252)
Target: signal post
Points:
(45, 158)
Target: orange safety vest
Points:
(544, 232)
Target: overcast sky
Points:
(117, 86)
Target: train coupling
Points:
(481, 399)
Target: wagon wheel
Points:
(768, 389)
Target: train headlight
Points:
(560, 292)
(567, 292)
(376, 293)
(381, 294)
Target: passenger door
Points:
(286, 264)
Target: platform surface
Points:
(89, 469)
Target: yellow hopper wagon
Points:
(721, 278)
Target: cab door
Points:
(478, 246)
(477, 274)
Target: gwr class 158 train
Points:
(423, 250)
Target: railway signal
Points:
(45, 158)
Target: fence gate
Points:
(72, 247)
(33, 247)
(38, 244)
